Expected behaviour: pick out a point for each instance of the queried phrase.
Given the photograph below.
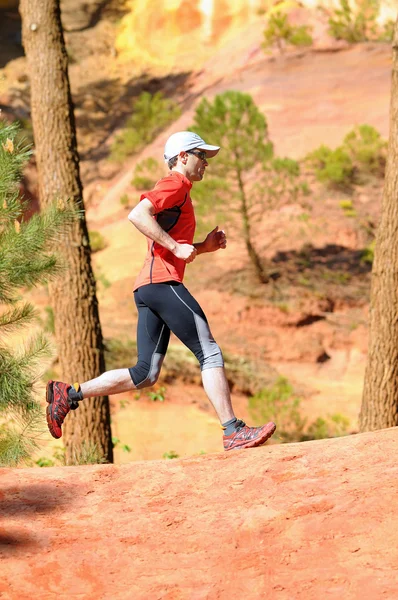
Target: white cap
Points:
(187, 140)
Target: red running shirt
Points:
(174, 212)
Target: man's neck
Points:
(180, 169)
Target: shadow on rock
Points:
(10, 35)
(106, 105)
(16, 541)
(331, 257)
(25, 503)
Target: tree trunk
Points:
(380, 396)
(77, 325)
(254, 257)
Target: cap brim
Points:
(210, 150)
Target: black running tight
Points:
(165, 307)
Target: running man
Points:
(165, 215)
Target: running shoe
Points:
(59, 404)
(248, 437)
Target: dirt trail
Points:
(308, 520)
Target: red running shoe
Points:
(248, 437)
(59, 404)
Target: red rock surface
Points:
(311, 520)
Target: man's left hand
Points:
(215, 240)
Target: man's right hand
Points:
(186, 252)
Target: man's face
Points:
(196, 164)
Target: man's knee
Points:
(145, 374)
(213, 360)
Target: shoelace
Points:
(239, 425)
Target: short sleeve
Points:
(168, 192)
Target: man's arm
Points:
(215, 240)
(142, 217)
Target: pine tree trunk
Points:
(254, 257)
(380, 396)
(77, 325)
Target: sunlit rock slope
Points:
(300, 521)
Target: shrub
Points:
(146, 174)
(355, 25)
(387, 33)
(367, 255)
(363, 152)
(332, 167)
(170, 454)
(333, 426)
(279, 32)
(88, 454)
(152, 113)
(278, 403)
(280, 181)
(119, 353)
(97, 241)
(368, 150)
(158, 395)
(348, 208)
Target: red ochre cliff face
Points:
(160, 32)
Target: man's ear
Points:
(183, 156)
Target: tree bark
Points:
(77, 325)
(380, 396)
(247, 235)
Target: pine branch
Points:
(17, 317)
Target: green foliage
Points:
(305, 217)
(124, 200)
(363, 152)
(171, 454)
(87, 454)
(119, 353)
(301, 36)
(332, 167)
(124, 447)
(97, 241)
(102, 279)
(338, 277)
(158, 395)
(44, 462)
(333, 426)
(367, 255)
(348, 208)
(387, 33)
(49, 323)
(280, 179)
(279, 403)
(209, 205)
(367, 149)
(235, 123)
(27, 259)
(346, 205)
(146, 174)
(152, 113)
(279, 32)
(355, 25)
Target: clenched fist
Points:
(186, 252)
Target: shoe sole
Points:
(258, 441)
(49, 399)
